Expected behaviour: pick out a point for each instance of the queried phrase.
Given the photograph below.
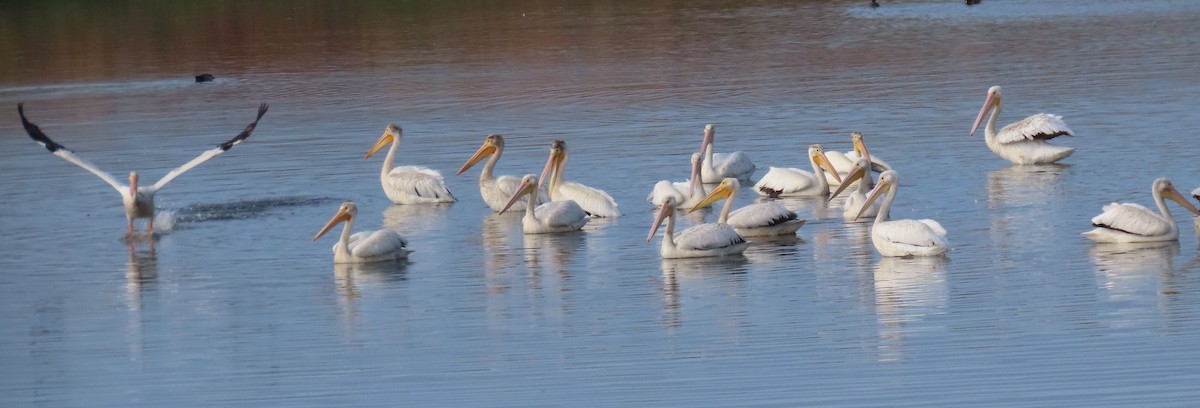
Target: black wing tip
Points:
(262, 110)
(35, 133)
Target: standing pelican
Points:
(495, 190)
(754, 220)
(792, 182)
(363, 247)
(1128, 222)
(594, 201)
(717, 166)
(855, 204)
(551, 217)
(1022, 142)
(843, 163)
(698, 241)
(902, 237)
(408, 184)
(139, 201)
(686, 193)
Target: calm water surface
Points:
(237, 307)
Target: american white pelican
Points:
(843, 163)
(595, 202)
(754, 220)
(853, 206)
(1196, 194)
(717, 166)
(686, 193)
(408, 184)
(139, 201)
(363, 247)
(495, 190)
(551, 217)
(1022, 142)
(793, 182)
(698, 241)
(903, 237)
(1128, 222)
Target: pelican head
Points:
(345, 213)
(558, 154)
(390, 135)
(709, 131)
(858, 172)
(887, 181)
(698, 158)
(818, 156)
(992, 101)
(528, 186)
(491, 145)
(859, 145)
(1196, 194)
(1167, 190)
(133, 179)
(723, 190)
(666, 210)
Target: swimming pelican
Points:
(408, 184)
(698, 241)
(1128, 222)
(843, 163)
(717, 166)
(854, 204)
(792, 182)
(686, 193)
(1022, 142)
(139, 201)
(495, 190)
(754, 220)
(551, 217)
(363, 247)
(594, 201)
(902, 237)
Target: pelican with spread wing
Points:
(1128, 222)
(138, 200)
(1023, 142)
(408, 184)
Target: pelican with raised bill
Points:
(408, 184)
(1128, 222)
(495, 190)
(1025, 141)
(855, 204)
(551, 217)
(685, 193)
(793, 182)
(843, 163)
(594, 201)
(138, 200)
(754, 220)
(717, 166)
(699, 241)
(363, 247)
(902, 237)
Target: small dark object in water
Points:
(973, 2)
(874, 4)
(210, 77)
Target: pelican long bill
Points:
(878, 191)
(722, 191)
(484, 151)
(1176, 196)
(663, 212)
(553, 164)
(381, 143)
(341, 216)
(823, 161)
(854, 175)
(525, 188)
(987, 105)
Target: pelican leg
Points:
(152, 229)
(131, 228)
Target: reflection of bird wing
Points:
(782, 180)
(760, 215)
(561, 213)
(1042, 126)
(378, 243)
(419, 181)
(912, 232)
(594, 201)
(1132, 218)
(708, 236)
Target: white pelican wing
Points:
(1133, 219)
(877, 164)
(593, 201)
(664, 189)
(419, 181)
(1042, 126)
(760, 215)
(561, 213)
(912, 232)
(221, 148)
(736, 164)
(782, 181)
(708, 237)
(935, 226)
(375, 244)
(59, 150)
